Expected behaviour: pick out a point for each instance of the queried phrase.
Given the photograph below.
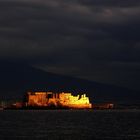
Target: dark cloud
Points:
(93, 39)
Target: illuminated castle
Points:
(49, 99)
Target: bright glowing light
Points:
(58, 100)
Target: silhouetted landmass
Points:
(17, 79)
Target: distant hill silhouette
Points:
(16, 79)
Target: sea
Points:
(70, 125)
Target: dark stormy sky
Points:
(97, 40)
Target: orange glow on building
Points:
(48, 99)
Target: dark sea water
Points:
(70, 125)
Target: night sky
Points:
(98, 40)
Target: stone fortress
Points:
(57, 100)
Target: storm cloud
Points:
(93, 39)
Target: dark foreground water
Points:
(70, 125)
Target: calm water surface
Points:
(70, 125)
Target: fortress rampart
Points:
(49, 99)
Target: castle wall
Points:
(61, 99)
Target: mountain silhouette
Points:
(16, 79)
